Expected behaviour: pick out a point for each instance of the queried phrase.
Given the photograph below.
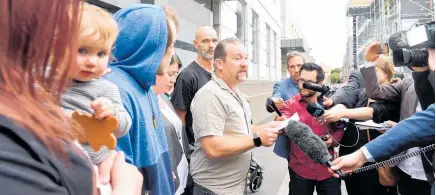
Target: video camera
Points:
(409, 48)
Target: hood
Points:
(141, 42)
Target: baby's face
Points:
(92, 60)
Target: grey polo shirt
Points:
(218, 110)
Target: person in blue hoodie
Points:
(143, 49)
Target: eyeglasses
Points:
(173, 75)
(304, 81)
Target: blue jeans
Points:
(302, 186)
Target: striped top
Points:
(80, 96)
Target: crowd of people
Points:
(184, 131)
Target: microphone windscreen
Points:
(308, 142)
(316, 87)
(315, 109)
(398, 40)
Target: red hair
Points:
(38, 46)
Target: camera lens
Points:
(410, 57)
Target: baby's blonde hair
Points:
(97, 22)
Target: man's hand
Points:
(279, 118)
(390, 123)
(278, 102)
(348, 163)
(372, 52)
(327, 101)
(333, 115)
(103, 107)
(267, 134)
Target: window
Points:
(276, 65)
(268, 49)
(240, 22)
(255, 37)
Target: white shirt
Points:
(413, 166)
(182, 167)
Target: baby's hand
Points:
(103, 107)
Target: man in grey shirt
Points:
(223, 134)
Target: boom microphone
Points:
(311, 144)
(323, 89)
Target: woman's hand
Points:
(125, 178)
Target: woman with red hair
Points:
(38, 48)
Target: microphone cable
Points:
(395, 159)
(345, 146)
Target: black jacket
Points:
(346, 95)
(27, 167)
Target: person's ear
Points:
(219, 64)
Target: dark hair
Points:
(310, 66)
(220, 50)
(176, 60)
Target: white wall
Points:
(188, 24)
(269, 13)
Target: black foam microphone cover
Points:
(316, 87)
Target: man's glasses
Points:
(304, 81)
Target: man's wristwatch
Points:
(256, 140)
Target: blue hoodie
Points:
(139, 49)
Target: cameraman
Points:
(417, 130)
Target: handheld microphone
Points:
(271, 103)
(309, 143)
(317, 111)
(323, 89)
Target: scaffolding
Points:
(378, 19)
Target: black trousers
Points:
(302, 186)
(367, 183)
(409, 186)
(290, 183)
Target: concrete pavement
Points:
(275, 177)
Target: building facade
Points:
(292, 36)
(264, 27)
